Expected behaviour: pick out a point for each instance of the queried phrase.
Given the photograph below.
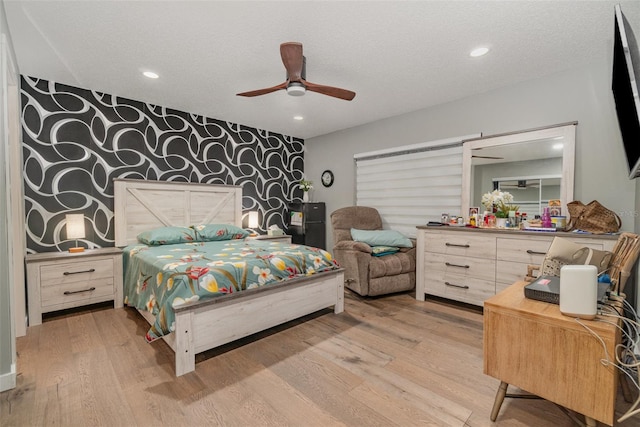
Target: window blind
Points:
(412, 185)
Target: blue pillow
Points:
(384, 250)
(214, 232)
(381, 238)
(167, 236)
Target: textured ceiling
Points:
(397, 56)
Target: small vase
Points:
(305, 196)
(501, 222)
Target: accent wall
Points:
(76, 141)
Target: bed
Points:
(202, 324)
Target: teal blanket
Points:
(158, 278)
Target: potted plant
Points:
(499, 202)
(305, 185)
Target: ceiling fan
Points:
(296, 83)
(522, 184)
(475, 155)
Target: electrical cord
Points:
(624, 333)
(630, 365)
(613, 307)
(631, 324)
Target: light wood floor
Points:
(389, 361)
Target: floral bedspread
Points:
(158, 278)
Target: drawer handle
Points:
(457, 246)
(456, 286)
(448, 264)
(91, 289)
(530, 252)
(67, 273)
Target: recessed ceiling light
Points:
(150, 74)
(558, 146)
(479, 51)
(298, 118)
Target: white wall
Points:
(580, 94)
(8, 108)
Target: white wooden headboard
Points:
(143, 205)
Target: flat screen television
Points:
(625, 81)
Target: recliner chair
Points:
(366, 274)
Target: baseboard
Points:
(8, 380)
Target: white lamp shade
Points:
(75, 226)
(253, 219)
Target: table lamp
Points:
(253, 222)
(75, 230)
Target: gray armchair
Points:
(366, 274)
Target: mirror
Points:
(535, 166)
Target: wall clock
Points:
(327, 178)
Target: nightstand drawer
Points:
(66, 293)
(82, 271)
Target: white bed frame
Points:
(142, 205)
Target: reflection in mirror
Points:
(534, 166)
(531, 193)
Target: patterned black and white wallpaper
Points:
(76, 141)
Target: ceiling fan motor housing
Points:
(297, 88)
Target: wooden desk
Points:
(531, 345)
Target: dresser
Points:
(471, 265)
(60, 280)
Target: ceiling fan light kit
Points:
(296, 83)
(296, 89)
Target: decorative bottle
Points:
(546, 218)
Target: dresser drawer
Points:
(459, 287)
(70, 294)
(601, 245)
(508, 272)
(459, 265)
(462, 243)
(82, 271)
(529, 251)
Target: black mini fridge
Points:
(307, 224)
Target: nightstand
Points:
(285, 238)
(60, 280)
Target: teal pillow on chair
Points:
(384, 250)
(381, 238)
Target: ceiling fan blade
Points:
(292, 59)
(264, 91)
(336, 92)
